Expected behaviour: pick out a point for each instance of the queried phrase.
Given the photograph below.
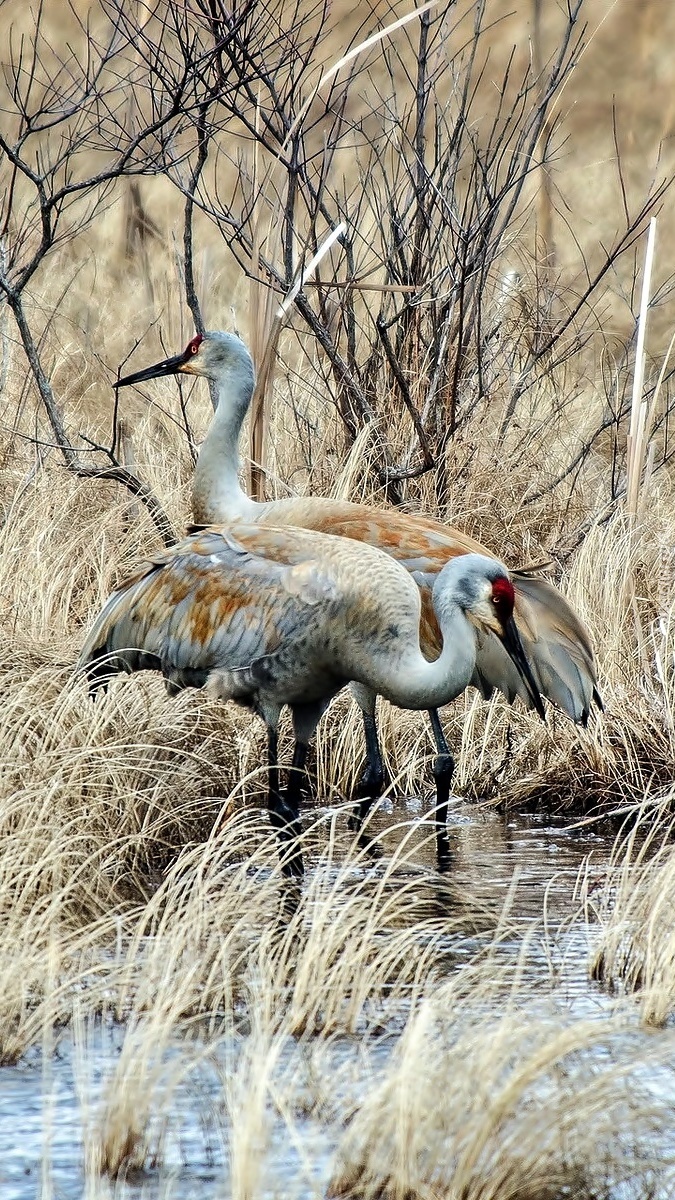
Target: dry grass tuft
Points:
(483, 1103)
(635, 951)
(216, 952)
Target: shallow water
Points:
(53, 1096)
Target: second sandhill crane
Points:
(556, 642)
(268, 617)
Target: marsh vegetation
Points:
(467, 349)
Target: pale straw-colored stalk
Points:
(638, 435)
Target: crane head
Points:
(483, 589)
(213, 355)
(501, 603)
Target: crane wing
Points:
(560, 653)
(211, 602)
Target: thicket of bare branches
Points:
(419, 313)
(71, 130)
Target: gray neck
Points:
(410, 680)
(217, 494)
(417, 683)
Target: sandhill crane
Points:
(268, 617)
(556, 642)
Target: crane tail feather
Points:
(558, 649)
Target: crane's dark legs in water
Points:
(444, 765)
(372, 780)
(284, 810)
(371, 783)
(296, 778)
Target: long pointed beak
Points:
(514, 647)
(168, 366)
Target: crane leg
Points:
(371, 783)
(284, 809)
(296, 779)
(444, 765)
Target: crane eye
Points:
(196, 343)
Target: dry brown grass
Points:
(133, 881)
(635, 952)
(138, 876)
(508, 1097)
(346, 1018)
